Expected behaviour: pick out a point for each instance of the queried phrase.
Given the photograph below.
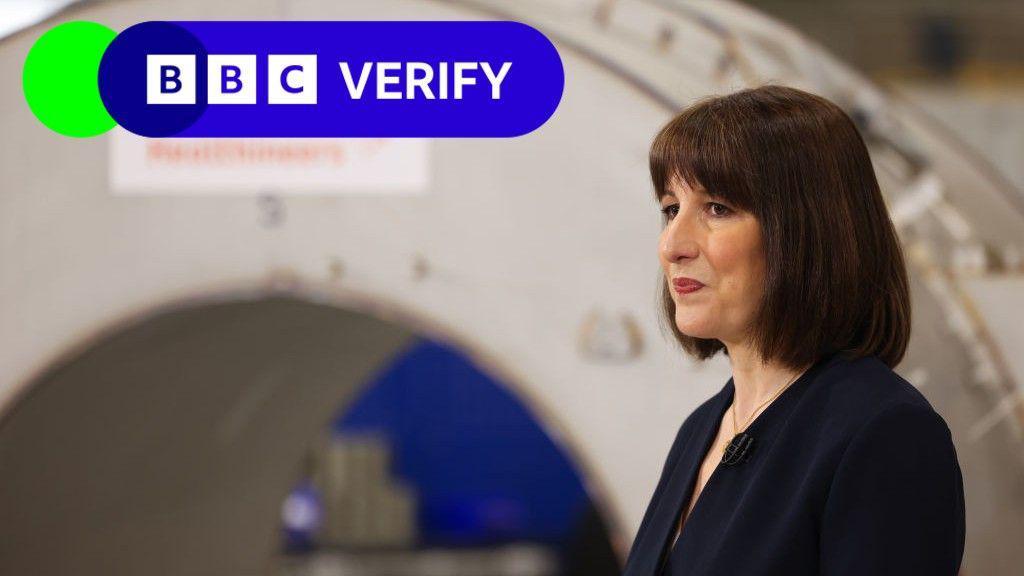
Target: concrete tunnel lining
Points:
(180, 436)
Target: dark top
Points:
(852, 472)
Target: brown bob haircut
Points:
(835, 279)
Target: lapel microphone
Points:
(738, 449)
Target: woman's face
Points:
(719, 246)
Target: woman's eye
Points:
(670, 211)
(718, 209)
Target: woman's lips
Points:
(686, 285)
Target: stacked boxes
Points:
(365, 506)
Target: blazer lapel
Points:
(652, 549)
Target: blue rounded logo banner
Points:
(331, 79)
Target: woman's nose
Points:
(679, 240)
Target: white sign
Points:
(285, 166)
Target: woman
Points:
(815, 457)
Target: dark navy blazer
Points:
(852, 472)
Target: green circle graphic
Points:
(61, 79)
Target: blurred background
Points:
(443, 357)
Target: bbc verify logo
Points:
(298, 79)
(231, 79)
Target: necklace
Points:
(737, 448)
